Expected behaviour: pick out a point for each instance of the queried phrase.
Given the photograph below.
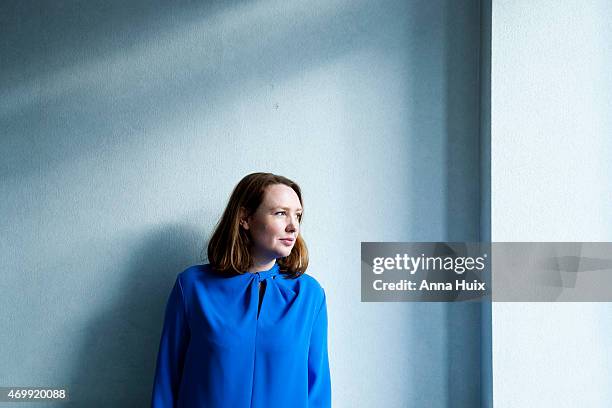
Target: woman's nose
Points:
(293, 224)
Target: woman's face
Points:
(274, 226)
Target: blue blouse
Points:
(220, 348)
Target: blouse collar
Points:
(261, 275)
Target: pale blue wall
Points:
(125, 125)
(551, 99)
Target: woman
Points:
(249, 329)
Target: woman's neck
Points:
(259, 266)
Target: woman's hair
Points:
(229, 247)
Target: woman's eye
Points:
(299, 216)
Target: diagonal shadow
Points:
(178, 64)
(115, 362)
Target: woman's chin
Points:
(284, 253)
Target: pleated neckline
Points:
(263, 275)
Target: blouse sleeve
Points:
(319, 384)
(172, 348)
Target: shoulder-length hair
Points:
(229, 247)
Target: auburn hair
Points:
(229, 248)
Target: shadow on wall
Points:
(450, 158)
(115, 72)
(462, 129)
(115, 364)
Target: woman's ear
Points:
(244, 223)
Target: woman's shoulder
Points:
(194, 272)
(314, 291)
(308, 285)
(310, 281)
